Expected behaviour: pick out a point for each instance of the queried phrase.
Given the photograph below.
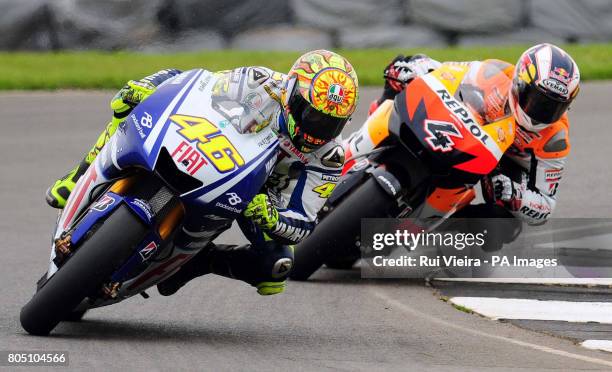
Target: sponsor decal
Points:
(104, 202)
(211, 143)
(138, 126)
(257, 76)
(388, 183)
(539, 206)
(204, 83)
(553, 175)
(556, 86)
(524, 136)
(229, 208)
(144, 206)
(501, 135)
(148, 251)
(552, 188)
(282, 267)
(146, 120)
(447, 76)
(233, 198)
(362, 164)
(288, 147)
(253, 101)
(329, 177)
(266, 140)
(292, 233)
(189, 157)
(335, 93)
(561, 74)
(496, 102)
(536, 215)
(463, 115)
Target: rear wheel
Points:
(336, 237)
(84, 273)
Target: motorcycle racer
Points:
(307, 109)
(543, 84)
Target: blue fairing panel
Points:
(150, 118)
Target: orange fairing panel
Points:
(502, 132)
(448, 200)
(378, 122)
(470, 149)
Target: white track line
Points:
(559, 281)
(415, 313)
(604, 345)
(519, 308)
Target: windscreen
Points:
(484, 90)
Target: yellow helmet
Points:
(322, 94)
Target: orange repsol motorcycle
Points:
(417, 156)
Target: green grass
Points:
(87, 70)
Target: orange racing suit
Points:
(535, 161)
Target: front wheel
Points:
(84, 273)
(337, 235)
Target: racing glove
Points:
(508, 192)
(261, 211)
(128, 97)
(403, 69)
(136, 91)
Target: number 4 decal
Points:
(440, 133)
(325, 189)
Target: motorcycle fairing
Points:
(138, 143)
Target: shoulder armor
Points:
(257, 76)
(555, 140)
(334, 157)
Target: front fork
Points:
(149, 199)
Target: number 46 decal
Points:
(440, 133)
(214, 146)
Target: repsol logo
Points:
(463, 115)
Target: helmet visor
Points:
(538, 106)
(313, 123)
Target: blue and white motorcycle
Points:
(178, 171)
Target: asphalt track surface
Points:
(334, 322)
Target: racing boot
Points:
(265, 270)
(265, 265)
(59, 192)
(197, 266)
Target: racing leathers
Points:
(284, 212)
(527, 181)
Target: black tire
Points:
(85, 272)
(74, 316)
(335, 235)
(341, 263)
